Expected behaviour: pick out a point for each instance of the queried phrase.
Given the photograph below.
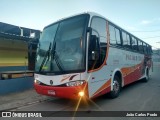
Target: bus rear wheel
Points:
(116, 88)
(147, 76)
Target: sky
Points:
(139, 17)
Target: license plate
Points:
(51, 92)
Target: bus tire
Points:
(116, 88)
(146, 79)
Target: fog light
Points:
(81, 94)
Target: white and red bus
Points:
(87, 55)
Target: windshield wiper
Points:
(46, 57)
(56, 57)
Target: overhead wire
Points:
(147, 31)
(151, 37)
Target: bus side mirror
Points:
(94, 48)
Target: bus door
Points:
(97, 48)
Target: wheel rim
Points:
(116, 86)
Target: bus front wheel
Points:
(116, 88)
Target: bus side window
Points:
(149, 50)
(114, 35)
(118, 37)
(145, 48)
(140, 46)
(134, 44)
(126, 40)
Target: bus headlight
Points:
(37, 81)
(75, 83)
(81, 94)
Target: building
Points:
(17, 47)
(17, 57)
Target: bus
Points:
(86, 56)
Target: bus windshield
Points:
(62, 46)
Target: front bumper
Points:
(61, 92)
